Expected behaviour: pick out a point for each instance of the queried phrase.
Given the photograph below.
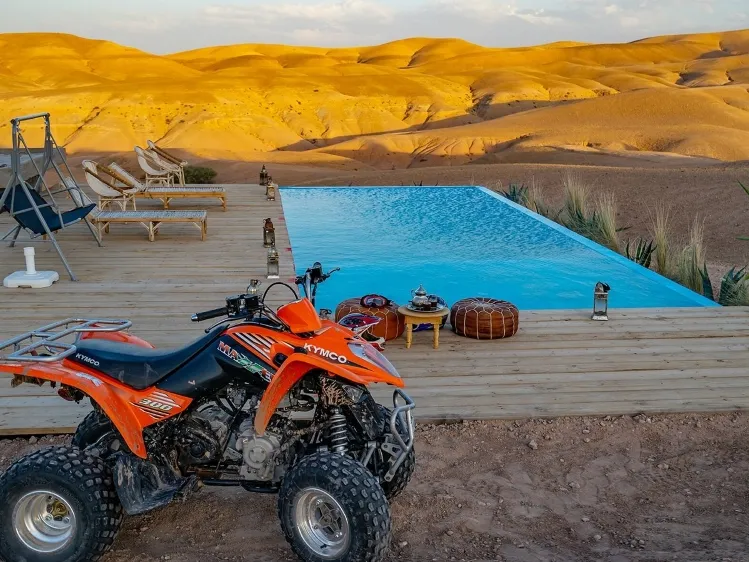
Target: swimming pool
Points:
(459, 242)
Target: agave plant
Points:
(734, 287)
(517, 194)
(642, 253)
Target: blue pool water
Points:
(458, 242)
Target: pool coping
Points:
(700, 301)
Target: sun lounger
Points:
(156, 173)
(166, 194)
(162, 154)
(150, 220)
(103, 181)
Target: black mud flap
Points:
(143, 486)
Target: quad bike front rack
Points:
(43, 345)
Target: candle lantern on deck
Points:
(253, 287)
(264, 176)
(270, 190)
(601, 301)
(269, 234)
(273, 267)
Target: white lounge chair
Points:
(163, 155)
(166, 194)
(156, 174)
(103, 181)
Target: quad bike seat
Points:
(138, 367)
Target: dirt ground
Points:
(572, 489)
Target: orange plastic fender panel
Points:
(130, 410)
(290, 373)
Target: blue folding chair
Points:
(24, 202)
(38, 217)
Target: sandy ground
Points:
(572, 489)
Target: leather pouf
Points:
(484, 319)
(392, 325)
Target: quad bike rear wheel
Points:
(333, 509)
(94, 426)
(57, 504)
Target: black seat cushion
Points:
(135, 366)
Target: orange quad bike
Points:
(273, 402)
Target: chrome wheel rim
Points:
(44, 521)
(322, 523)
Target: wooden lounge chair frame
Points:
(103, 181)
(156, 174)
(151, 220)
(166, 194)
(170, 158)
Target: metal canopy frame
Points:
(68, 185)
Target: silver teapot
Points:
(420, 298)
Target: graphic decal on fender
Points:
(244, 361)
(94, 380)
(327, 354)
(157, 405)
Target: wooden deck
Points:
(560, 363)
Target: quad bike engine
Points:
(200, 437)
(259, 453)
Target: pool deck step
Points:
(560, 363)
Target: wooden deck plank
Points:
(560, 363)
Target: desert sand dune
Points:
(407, 103)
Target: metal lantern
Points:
(263, 176)
(273, 268)
(253, 287)
(269, 234)
(270, 190)
(601, 301)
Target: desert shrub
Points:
(199, 174)
(536, 202)
(575, 209)
(599, 224)
(745, 188)
(661, 227)
(604, 222)
(691, 259)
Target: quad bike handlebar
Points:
(210, 314)
(312, 278)
(247, 305)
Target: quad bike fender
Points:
(121, 404)
(291, 372)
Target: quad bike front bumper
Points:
(403, 406)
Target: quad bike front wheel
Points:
(57, 505)
(333, 509)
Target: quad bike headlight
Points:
(369, 354)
